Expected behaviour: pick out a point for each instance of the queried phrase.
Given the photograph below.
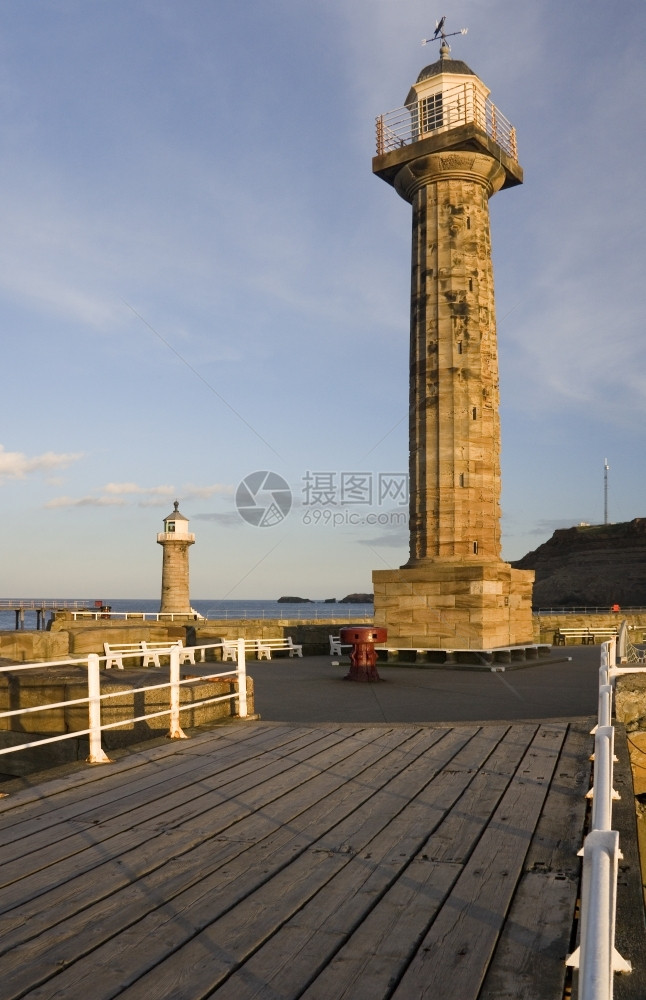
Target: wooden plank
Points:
(37, 799)
(343, 900)
(454, 840)
(374, 956)
(529, 961)
(255, 793)
(113, 785)
(308, 943)
(171, 919)
(167, 806)
(239, 932)
(150, 939)
(181, 769)
(327, 887)
(453, 956)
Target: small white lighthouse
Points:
(175, 540)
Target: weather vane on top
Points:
(441, 33)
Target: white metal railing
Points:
(96, 698)
(596, 957)
(16, 604)
(460, 105)
(303, 612)
(590, 610)
(154, 616)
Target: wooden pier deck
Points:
(319, 861)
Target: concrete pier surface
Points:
(314, 690)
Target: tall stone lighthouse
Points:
(446, 152)
(175, 540)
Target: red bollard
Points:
(363, 658)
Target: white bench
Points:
(267, 646)
(114, 653)
(230, 648)
(589, 635)
(261, 648)
(336, 646)
(150, 652)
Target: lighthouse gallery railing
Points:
(460, 105)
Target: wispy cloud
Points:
(204, 492)
(228, 519)
(85, 502)
(118, 489)
(124, 494)
(17, 465)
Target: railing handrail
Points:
(597, 958)
(31, 604)
(139, 615)
(95, 697)
(226, 615)
(585, 610)
(461, 105)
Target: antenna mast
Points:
(605, 490)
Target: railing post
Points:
(607, 661)
(380, 135)
(596, 957)
(242, 680)
(175, 732)
(605, 705)
(97, 754)
(602, 793)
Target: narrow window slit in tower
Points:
(470, 284)
(468, 222)
(459, 347)
(475, 548)
(475, 412)
(462, 479)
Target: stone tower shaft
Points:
(454, 461)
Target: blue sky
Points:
(200, 278)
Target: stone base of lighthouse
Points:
(455, 605)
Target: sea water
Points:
(214, 609)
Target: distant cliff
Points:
(590, 565)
